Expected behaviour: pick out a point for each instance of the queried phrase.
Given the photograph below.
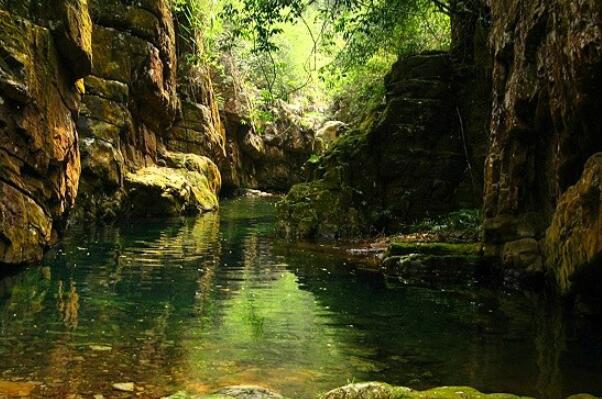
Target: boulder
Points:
(329, 132)
(318, 210)
(428, 263)
(233, 392)
(189, 184)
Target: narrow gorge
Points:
(229, 199)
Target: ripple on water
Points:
(198, 304)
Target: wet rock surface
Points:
(376, 390)
(367, 390)
(130, 100)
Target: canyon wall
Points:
(420, 155)
(546, 124)
(409, 161)
(45, 51)
(118, 82)
(102, 78)
(272, 160)
(142, 109)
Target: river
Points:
(200, 303)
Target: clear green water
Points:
(201, 303)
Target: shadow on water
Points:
(202, 303)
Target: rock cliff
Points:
(140, 102)
(44, 53)
(102, 78)
(546, 123)
(411, 160)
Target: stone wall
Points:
(44, 52)
(547, 122)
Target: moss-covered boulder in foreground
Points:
(375, 390)
(234, 392)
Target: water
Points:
(197, 304)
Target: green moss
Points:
(184, 395)
(376, 390)
(463, 220)
(434, 248)
(457, 392)
(318, 209)
(189, 185)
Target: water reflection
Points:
(201, 303)
(68, 304)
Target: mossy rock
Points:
(376, 390)
(188, 185)
(433, 263)
(317, 210)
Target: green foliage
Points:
(465, 223)
(316, 52)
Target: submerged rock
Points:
(249, 392)
(233, 392)
(124, 386)
(14, 389)
(365, 390)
